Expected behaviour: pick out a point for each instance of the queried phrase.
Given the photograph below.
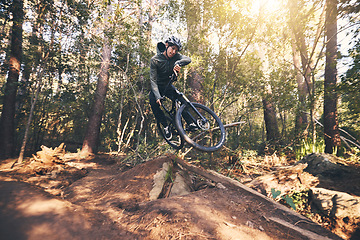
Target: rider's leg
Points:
(172, 94)
(158, 113)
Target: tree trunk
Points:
(300, 46)
(272, 130)
(33, 103)
(93, 130)
(301, 118)
(331, 128)
(7, 126)
(301, 64)
(193, 19)
(195, 84)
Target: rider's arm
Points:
(153, 79)
(181, 60)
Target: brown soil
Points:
(102, 198)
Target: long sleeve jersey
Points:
(161, 68)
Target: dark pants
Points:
(170, 92)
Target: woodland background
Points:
(78, 72)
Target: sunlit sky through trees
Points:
(273, 11)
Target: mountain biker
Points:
(167, 61)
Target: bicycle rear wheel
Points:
(176, 141)
(209, 135)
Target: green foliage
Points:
(289, 201)
(275, 193)
(307, 146)
(284, 87)
(169, 174)
(297, 200)
(239, 51)
(300, 199)
(349, 89)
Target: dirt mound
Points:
(119, 199)
(224, 211)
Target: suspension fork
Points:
(184, 100)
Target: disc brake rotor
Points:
(203, 124)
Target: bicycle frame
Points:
(192, 106)
(183, 100)
(191, 122)
(173, 109)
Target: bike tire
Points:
(177, 141)
(208, 137)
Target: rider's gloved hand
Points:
(159, 101)
(176, 69)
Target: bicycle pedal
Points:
(167, 133)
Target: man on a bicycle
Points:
(167, 61)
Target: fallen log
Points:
(292, 221)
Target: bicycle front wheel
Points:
(201, 128)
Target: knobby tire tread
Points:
(179, 126)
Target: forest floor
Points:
(105, 197)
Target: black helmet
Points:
(174, 41)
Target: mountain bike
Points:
(192, 123)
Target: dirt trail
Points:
(111, 202)
(27, 212)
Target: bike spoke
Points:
(208, 135)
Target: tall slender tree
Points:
(92, 133)
(194, 21)
(331, 128)
(7, 127)
(301, 62)
(304, 55)
(93, 129)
